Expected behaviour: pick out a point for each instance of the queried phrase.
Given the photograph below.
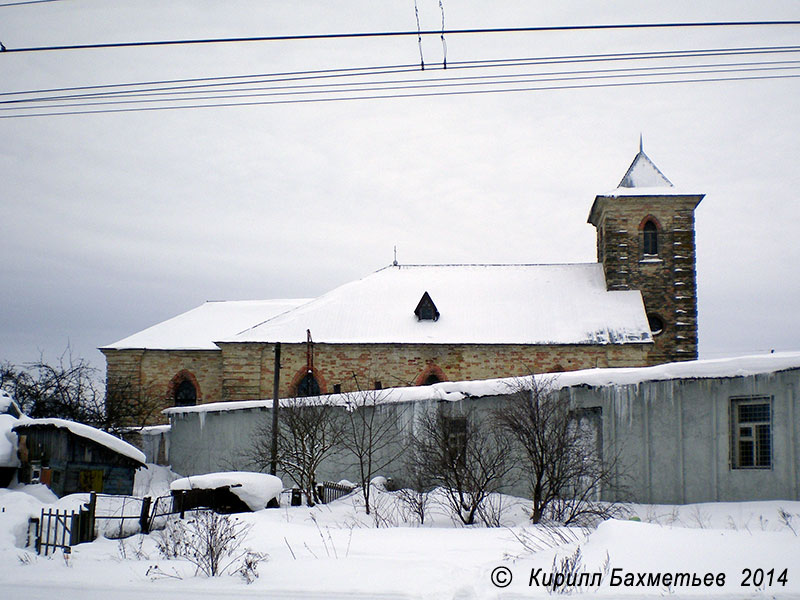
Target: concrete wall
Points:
(225, 441)
(672, 438)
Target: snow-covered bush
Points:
(212, 542)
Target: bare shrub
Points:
(570, 567)
(546, 536)
(211, 542)
(785, 519)
(562, 454)
(373, 434)
(491, 510)
(309, 431)
(416, 497)
(464, 455)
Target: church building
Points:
(421, 324)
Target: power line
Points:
(143, 96)
(223, 81)
(384, 34)
(26, 2)
(403, 96)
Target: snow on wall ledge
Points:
(740, 366)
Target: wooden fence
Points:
(62, 529)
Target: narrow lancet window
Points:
(650, 239)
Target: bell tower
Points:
(646, 242)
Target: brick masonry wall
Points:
(153, 372)
(245, 371)
(393, 365)
(668, 282)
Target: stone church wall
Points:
(153, 373)
(667, 281)
(245, 371)
(354, 366)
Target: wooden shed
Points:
(71, 457)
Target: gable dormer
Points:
(426, 310)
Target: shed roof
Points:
(478, 304)
(87, 432)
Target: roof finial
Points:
(641, 145)
(395, 257)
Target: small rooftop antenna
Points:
(394, 264)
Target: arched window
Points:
(431, 379)
(656, 323)
(432, 374)
(650, 239)
(308, 386)
(185, 394)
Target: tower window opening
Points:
(656, 323)
(650, 239)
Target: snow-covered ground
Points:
(337, 551)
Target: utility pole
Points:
(273, 467)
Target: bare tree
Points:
(128, 407)
(465, 455)
(374, 434)
(563, 455)
(416, 494)
(72, 389)
(310, 430)
(69, 389)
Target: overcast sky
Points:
(113, 222)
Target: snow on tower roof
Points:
(198, 328)
(643, 173)
(478, 304)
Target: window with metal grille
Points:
(751, 433)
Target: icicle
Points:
(202, 416)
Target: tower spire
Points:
(641, 145)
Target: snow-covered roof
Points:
(8, 406)
(478, 304)
(643, 173)
(740, 366)
(5, 401)
(254, 489)
(643, 178)
(8, 441)
(198, 328)
(90, 433)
